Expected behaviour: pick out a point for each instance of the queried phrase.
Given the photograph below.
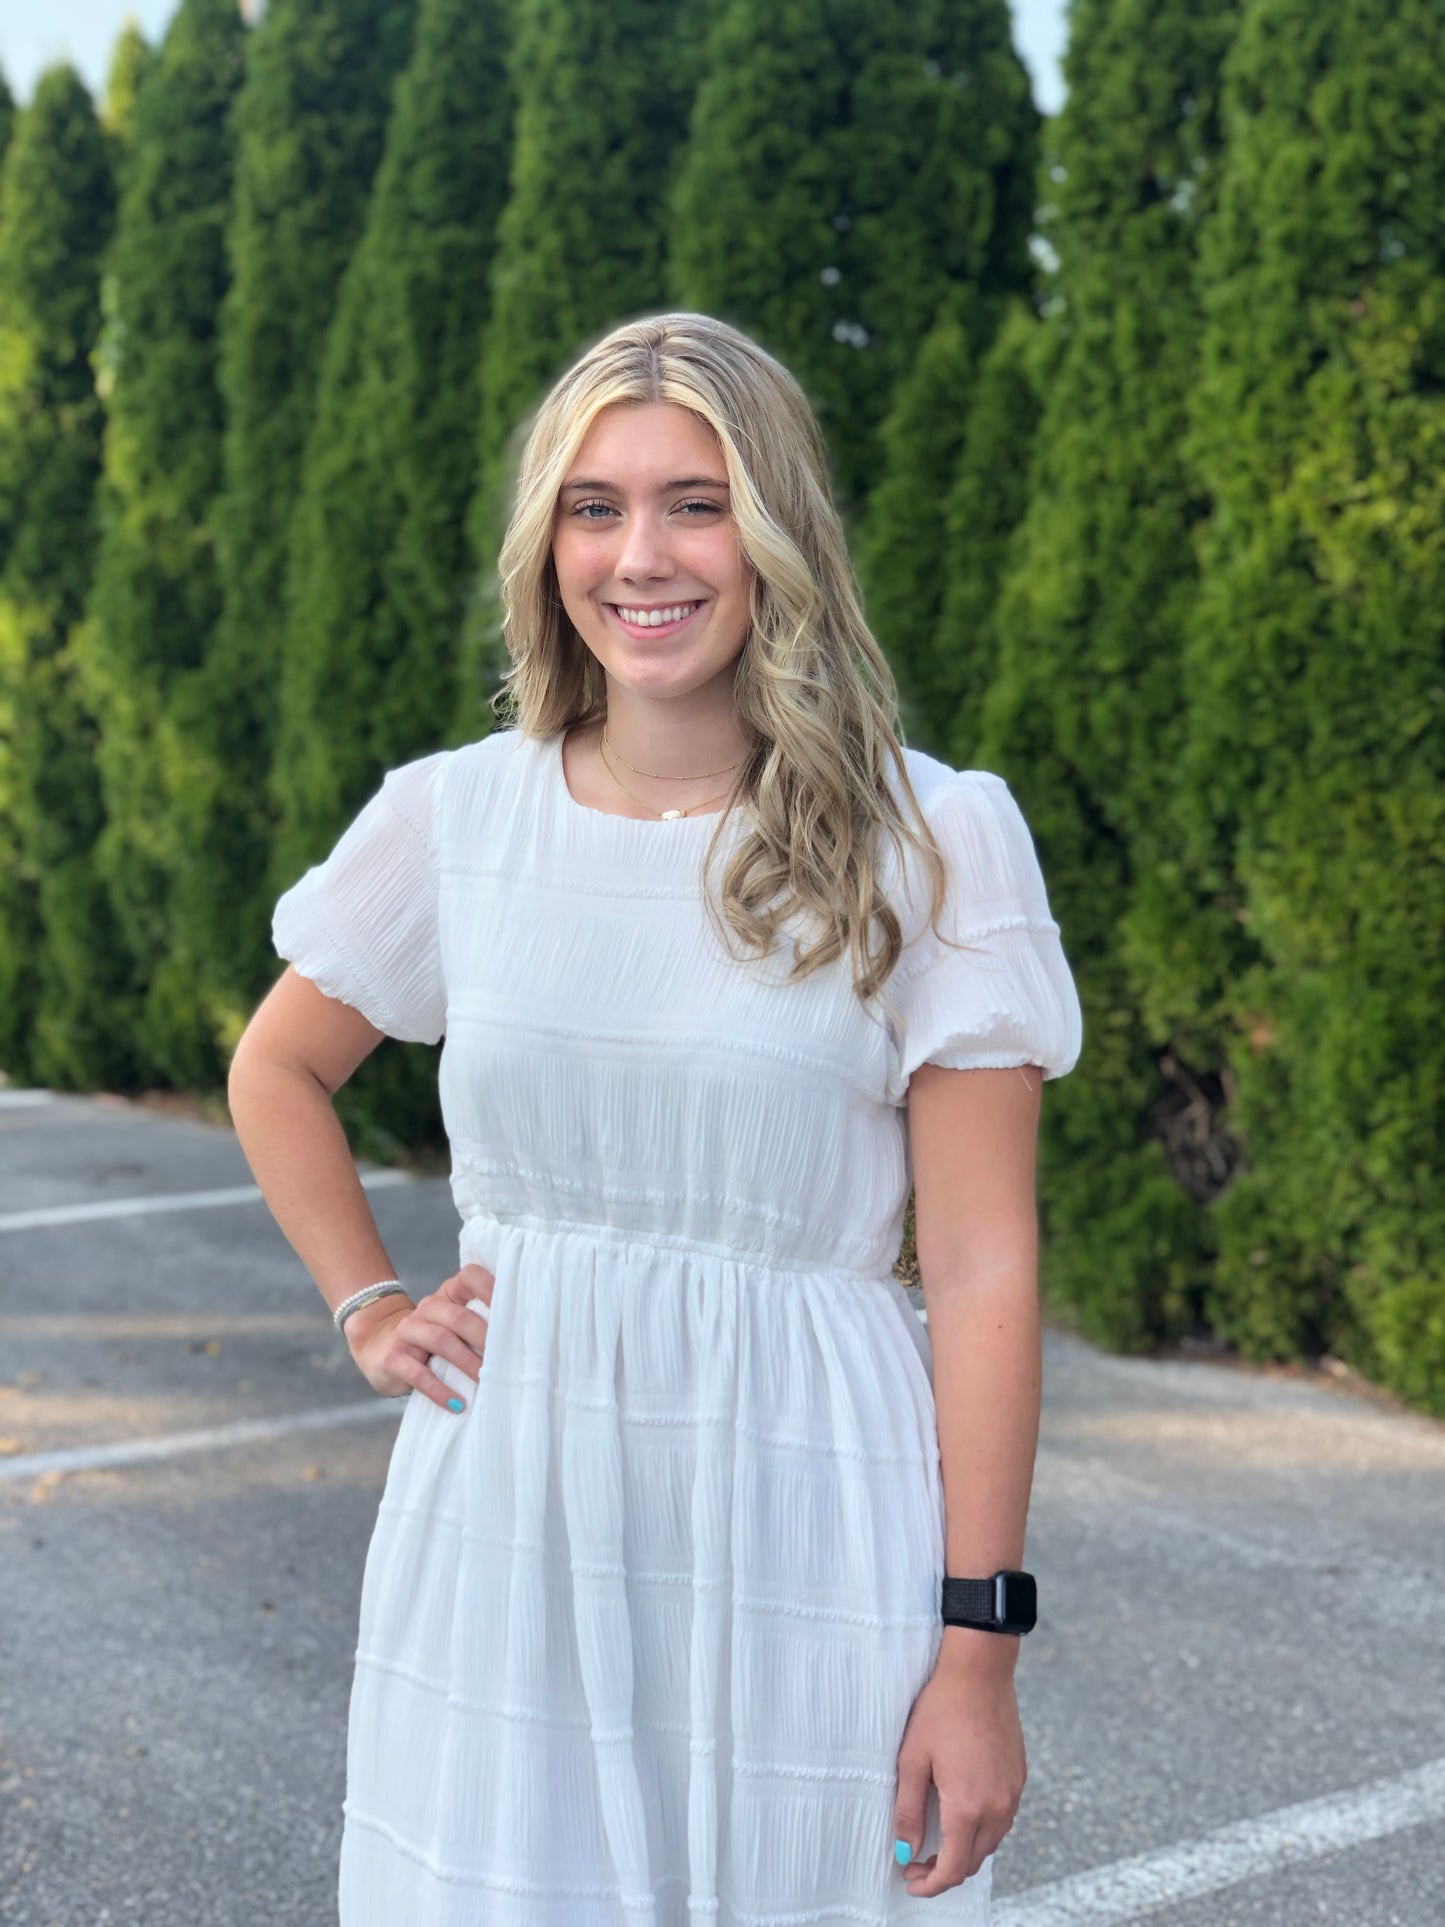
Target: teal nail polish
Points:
(902, 1852)
(454, 1405)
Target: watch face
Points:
(1020, 1599)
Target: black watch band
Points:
(1005, 1603)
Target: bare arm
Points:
(299, 1048)
(974, 1136)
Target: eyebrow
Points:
(663, 488)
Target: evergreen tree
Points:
(986, 504)
(379, 561)
(130, 62)
(156, 595)
(310, 121)
(582, 239)
(1312, 803)
(903, 549)
(1083, 716)
(954, 483)
(7, 115)
(379, 558)
(853, 166)
(57, 944)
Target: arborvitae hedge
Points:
(1083, 716)
(310, 122)
(1170, 560)
(1310, 787)
(902, 550)
(130, 62)
(60, 965)
(853, 164)
(603, 95)
(985, 505)
(380, 563)
(156, 595)
(954, 483)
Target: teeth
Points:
(654, 618)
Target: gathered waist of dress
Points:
(481, 1232)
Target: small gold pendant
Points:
(666, 814)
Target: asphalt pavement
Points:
(1234, 1702)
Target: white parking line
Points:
(1245, 1850)
(86, 1458)
(173, 1201)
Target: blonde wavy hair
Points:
(813, 689)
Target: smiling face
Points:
(643, 524)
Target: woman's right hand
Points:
(392, 1341)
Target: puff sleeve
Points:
(364, 925)
(1009, 998)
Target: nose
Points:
(644, 551)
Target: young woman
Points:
(652, 1622)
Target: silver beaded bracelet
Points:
(365, 1297)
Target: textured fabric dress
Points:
(641, 1629)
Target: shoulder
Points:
(967, 810)
(987, 847)
(501, 757)
(940, 787)
(446, 787)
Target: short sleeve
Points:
(1008, 998)
(364, 925)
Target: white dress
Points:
(640, 1630)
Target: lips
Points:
(644, 630)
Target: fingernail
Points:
(454, 1405)
(902, 1852)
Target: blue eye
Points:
(698, 503)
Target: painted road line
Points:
(104, 1208)
(1245, 1850)
(174, 1445)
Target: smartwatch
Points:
(1006, 1603)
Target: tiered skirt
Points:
(641, 1629)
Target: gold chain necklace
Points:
(664, 815)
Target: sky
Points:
(85, 32)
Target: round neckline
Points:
(572, 807)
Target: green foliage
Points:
(131, 61)
(1150, 521)
(852, 169)
(378, 554)
(58, 968)
(955, 479)
(903, 550)
(1311, 802)
(7, 115)
(986, 503)
(156, 595)
(939, 523)
(581, 241)
(310, 121)
(1081, 710)
(379, 562)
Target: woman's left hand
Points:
(964, 1735)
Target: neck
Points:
(680, 750)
